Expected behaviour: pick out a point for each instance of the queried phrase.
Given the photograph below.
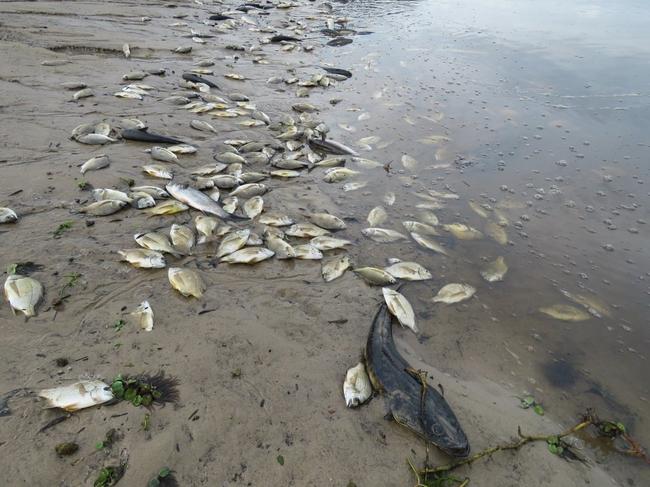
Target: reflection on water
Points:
(537, 114)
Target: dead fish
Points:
(462, 231)
(202, 126)
(590, 303)
(328, 243)
(182, 238)
(98, 162)
(478, 209)
(74, 85)
(155, 241)
(409, 271)
(163, 154)
(95, 139)
(304, 107)
(496, 232)
(377, 216)
(335, 267)
(84, 93)
(80, 395)
(275, 220)
(110, 194)
(495, 270)
(409, 162)
(83, 129)
(354, 185)
(143, 316)
(337, 174)
(305, 230)
(284, 173)
(142, 200)
(421, 228)
(143, 135)
(205, 225)
(367, 163)
(249, 190)
(183, 149)
(233, 242)
(7, 215)
(230, 204)
(158, 171)
(329, 162)
(327, 221)
(454, 293)
(154, 191)
(197, 200)
(282, 249)
(229, 158)
(209, 169)
(170, 207)
(225, 181)
(126, 49)
(399, 306)
(103, 128)
(103, 207)
(434, 139)
(23, 294)
(134, 76)
(430, 218)
(389, 198)
(253, 206)
(383, 235)
(143, 258)
(339, 41)
(186, 281)
(565, 312)
(356, 387)
(248, 255)
(428, 243)
(331, 147)
(375, 276)
(307, 252)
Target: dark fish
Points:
(339, 41)
(330, 32)
(412, 402)
(258, 6)
(342, 72)
(331, 147)
(219, 17)
(282, 37)
(142, 135)
(194, 78)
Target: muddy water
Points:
(546, 108)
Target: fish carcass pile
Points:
(207, 201)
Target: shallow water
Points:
(546, 107)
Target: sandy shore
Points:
(291, 335)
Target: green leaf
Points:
(164, 472)
(527, 402)
(118, 389)
(137, 400)
(552, 447)
(154, 483)
(130, 394)
(147, 400)
(280, 459)
(539, 409)
(621, 427)
(99, 445)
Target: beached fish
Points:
(495, 270)
(205, 225)
(103, 207)
(337, 174)
(590, 303)
(377, 216)
(128, 94)
(110, 194)
(143, 316)
(282, 249)
(225, 181)
(409, 271)
(307, 252)
(375, 276)
(155, 241)
(335, 267)
(83, 129)
(98, 162)
(158, 171)
(196, 199)
(202, 126)
(409, 162)
(73, 85)
(330, 162)
(284, 173)
(84, 93)
(248, 255)
(275, 220)
(103, 128)
(230, 204)
(7, 215)
(154, 191)
(329, 243)
(95, 139)
(306, 230)
(327, 221)
(454, 293)
(80, 395)
(233, 242)
(142, 200)
(170, 207)
(208, 169)
(134, 76)
(399, 307)
(356, 387)
(496, 232)
(182, 238)
(462, 231)
(126, 49)
(249, 190)
(383, 235)
(565, 312)
(304, 107)
(186, 281)
(421, 228)
(163, 154)
(230, 158)
(143, 258)
(23, 293)
(253, 206)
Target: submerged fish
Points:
(356, 387)
(565, 312)
(399, 306)
(454, 293)
(23, 293)
(377, 216)
(383, 235)
(80, 395)
(496, 232)
(420, 228)
(495, 270)
(186, 281)
(463, 232)
(590, 303)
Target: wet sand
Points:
(291, 335)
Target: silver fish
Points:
(103, 207)
(335, 267)
(196, 199)
(7, 215)
(95, 139)
(98, 162)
